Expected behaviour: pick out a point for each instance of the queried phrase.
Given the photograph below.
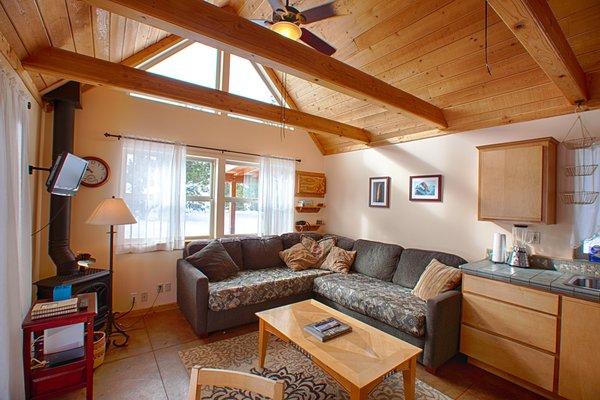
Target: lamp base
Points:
(113, 328)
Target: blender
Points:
(518, 256)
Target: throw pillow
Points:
(339, 260)
(214, 262)
(318, 249)
(437, 278)
(298, 258)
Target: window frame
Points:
(211, 198)
(226, 199)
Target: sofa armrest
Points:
(192, 295)
(443, 328)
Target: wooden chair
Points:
(233, 379)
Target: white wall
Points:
(451, 225)
(105, 110)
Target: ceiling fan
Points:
(286, 21)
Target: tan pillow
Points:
(339, 260)
(298, 258)
(318, 249)
(437, 278)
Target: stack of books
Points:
(54, 308)
(327, 329)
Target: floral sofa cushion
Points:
(256, 286)
(383, 301)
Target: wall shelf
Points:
(309, 209)
(307, 228)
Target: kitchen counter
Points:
(544, 279)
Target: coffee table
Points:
(358, 360)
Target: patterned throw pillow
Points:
(318, 249)
(339, 260)
(298, 258)
(436, 279)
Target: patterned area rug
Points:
(304, 380)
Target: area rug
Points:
(304, 380)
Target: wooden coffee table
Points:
(358, 361)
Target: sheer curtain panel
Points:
(153, 186)
(276, 196)
(15, 231)
(586, 217)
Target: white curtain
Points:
(276, 196)
(586, 217)
(153, 186)
(15, 231)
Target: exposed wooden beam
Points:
(290, 101)
(94, 71)
(15, 63)
(205, 23)
(534, 24)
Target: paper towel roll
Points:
(499, 248)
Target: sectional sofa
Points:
(376, 291)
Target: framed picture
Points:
(379, 191)
(310, 184)
(425, 188)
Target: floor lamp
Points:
(113, 211)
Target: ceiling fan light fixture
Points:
(287, 29)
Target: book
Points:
(54, 308)
(327, 329)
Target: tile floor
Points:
(149, 367)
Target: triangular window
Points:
(246, 79)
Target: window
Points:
(196, 63)
(199, 196)
(245, 80)
(241, 198)
(583, 252)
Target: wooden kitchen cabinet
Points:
(517, 181)
(579, 367)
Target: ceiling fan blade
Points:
(318, 13)
(276, 5)
(262, 22)
(316, 42)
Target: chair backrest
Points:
(233, 379)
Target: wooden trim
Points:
(152, 51)
(534, 24)
(86, 69)
(202, 22)
(7, 51)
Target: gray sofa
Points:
(377, 291)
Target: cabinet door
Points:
(511, 183)
(579, 368)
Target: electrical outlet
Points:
(133, 297)
(535, 238)
(160, 288)
(168, 287)
(144, 297)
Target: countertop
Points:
(543, 279)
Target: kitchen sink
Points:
(587, 282)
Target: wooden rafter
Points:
(290, 101)
(534, 24)
(205, 23)
(15, 63)
(90, 70)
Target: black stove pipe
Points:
(65, 100)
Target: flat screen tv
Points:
(66, 174)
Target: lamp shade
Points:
(287, 29)
(113, 211)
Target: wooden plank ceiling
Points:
(432, 49)
(74, 25)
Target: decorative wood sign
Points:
(310, 184)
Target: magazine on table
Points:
(327, 329)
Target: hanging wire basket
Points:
(580, 143)
(580, 170)
(583, 198)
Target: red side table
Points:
(47, 382)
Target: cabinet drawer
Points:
(518, 295)
(527, 326)
(524, 362)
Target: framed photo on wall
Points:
(379, 191)
(425, 188)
